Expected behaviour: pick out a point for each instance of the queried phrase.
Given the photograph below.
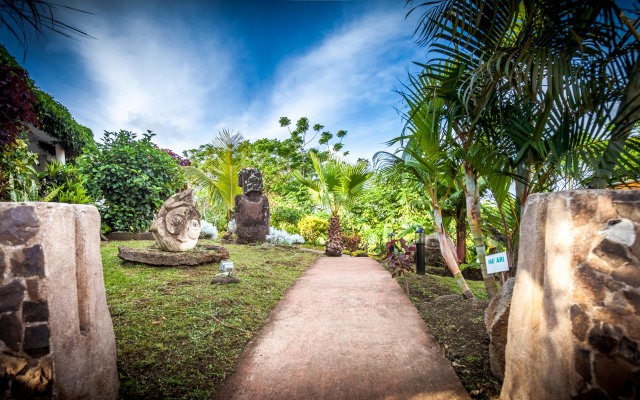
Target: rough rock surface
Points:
(177, 227)
(496, 319)
(56, 335)
(574, 326)
(432, 254)
(151, 256)
(251, 208)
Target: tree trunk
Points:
(333, 247)
(472, 194)
(461, 236)
(446, 248)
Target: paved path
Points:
(345, 330)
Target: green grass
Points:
(177, 335)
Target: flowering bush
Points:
(182, 161)
(207, 230)
(278, 236)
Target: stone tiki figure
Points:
(177, 226)
(251, 208)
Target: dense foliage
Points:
(130, 178)
(63, 183)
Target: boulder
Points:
(153, 256)
(496, 319)
(574, 325)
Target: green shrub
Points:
(63, 183)
(17, 172)
(312, 228)
(130, 179)
(286, 218)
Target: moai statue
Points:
(251, 208)
(177, 226)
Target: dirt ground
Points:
(458, 326)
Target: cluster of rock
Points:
(574, 320)
(56, 335)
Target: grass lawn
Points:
(177, 335)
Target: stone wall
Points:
(574, 325)
(56, 335)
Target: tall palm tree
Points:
(427, 153)
(218, 177)
(556, 61)
(337, 184)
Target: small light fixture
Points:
(420, 240)
(226, 266)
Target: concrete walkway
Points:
(345, 330)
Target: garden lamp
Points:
(226, 266)
(420, 241)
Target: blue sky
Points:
(187, 69)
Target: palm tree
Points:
(557, 62)
(218, 177)
(427, 153)
(337, 184)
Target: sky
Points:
(187, 69)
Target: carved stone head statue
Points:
(177, 226)
(250, 179)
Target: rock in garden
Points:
(496, 319)
(574, 325)
(177, 226)
(251, 208)
(150, 256)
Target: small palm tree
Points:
(337, 184)
(218, 176)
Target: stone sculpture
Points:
(177, 226)
(56, 335)
(251, 208)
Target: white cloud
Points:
(345, 83)
(184, 87)
(152, 77)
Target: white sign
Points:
(497, 263)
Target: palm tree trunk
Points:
(333, 247)
(472, 193)
(449, 255)
(461, 236)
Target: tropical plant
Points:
(20, 17)
(558, 79)
(427, 154)
(337, 184)
(18, 176)
(63, 183)
(312, 228)
(217, 176)
(130, 178)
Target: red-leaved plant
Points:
(400, 257)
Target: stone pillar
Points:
(56, 335)
(574, 325)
